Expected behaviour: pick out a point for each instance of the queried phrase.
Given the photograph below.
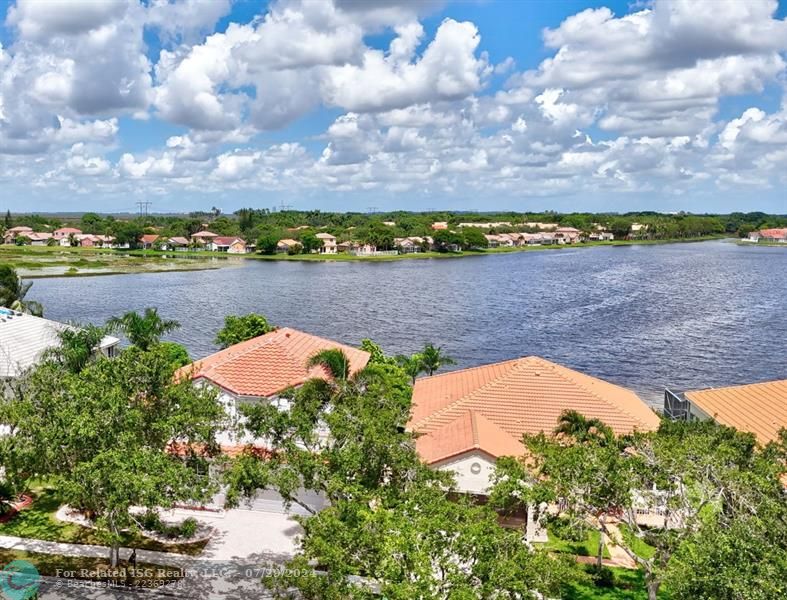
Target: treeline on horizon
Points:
(267, 226)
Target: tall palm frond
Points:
(143, 330)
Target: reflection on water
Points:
(682, 315)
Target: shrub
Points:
(603, 577)
(188, 528)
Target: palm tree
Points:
(412, 365)
(78, 346)
(433, 358)
(13, 292)
(334, 361)
(143, 330)
(582, 429)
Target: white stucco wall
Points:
(463, 467)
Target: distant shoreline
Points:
(76, 262)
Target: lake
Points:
(679, 315)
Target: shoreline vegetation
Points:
(39, 262)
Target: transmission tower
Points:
(143, 205)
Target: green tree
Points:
(577, 426)
(239, 328)
(391, 523)
(433, 359)
(445, 239)
(267, 243)
(473, 237)
(376, 354)
(413, 365)
(106, 437)
(309, 242)
(143, 330)
(178, 355)
(13, 292)
(699, 477)
(8, 222)
(77, 347)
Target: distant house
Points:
(39, 238)
(328, 243)
(259, 370)
(148, 241)
(230, 245)
(568, 235)
(778, 236)
(288, 245)
(601, 236)
(87, 240)
(486, 225)
(469, 418)
(409, 245)
(24, 339)
(9, 237)
(176, 243)
(758, 408)
(64, 235)
(202, 238)
(389, 223)
(439, 225)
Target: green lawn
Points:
(629, 585)
(38, 522)
(586, 547)
(637, 544)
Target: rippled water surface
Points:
(680, 315)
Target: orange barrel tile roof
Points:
(269, 364)
(490, 407)
(759, 408)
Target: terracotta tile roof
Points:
(148, 238)
(525, 395)
(774, 233)
(470, 431)
(226, 240)
(181, 241)
(269, 364)
(67, 230)
(204, 234)
(759, 408)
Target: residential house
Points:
(486, 225)
(389, 223)
(328, 243)
(87, 240)
(601, 236)
(759, 408)
(469, 418)
(288, 246)
(260, 369)
(439, 225)
(148, 241)
(39, 238)
(178, 243)
(568, 235)
(105, 241)
(64, 235)
(409, 245)
(357, 249)
(202, 238)
(230, 245)
(11, 234)
(778, 236)
(24, 339)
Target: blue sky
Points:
(397, 104)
